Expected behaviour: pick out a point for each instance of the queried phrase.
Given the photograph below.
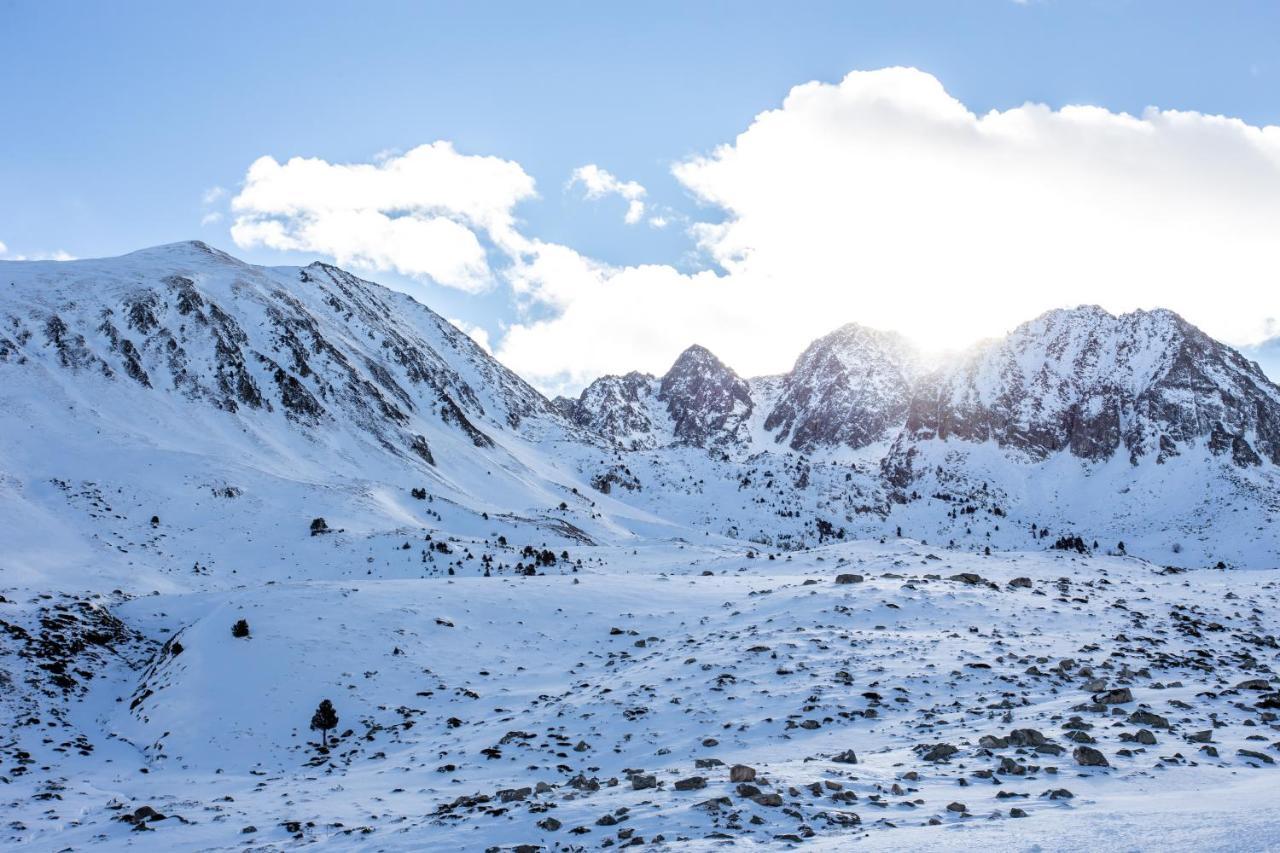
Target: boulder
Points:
(1087, 756)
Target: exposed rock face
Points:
(851, 387)
(706, 401)
(617, 408)
(317, 345)
(1093, 384)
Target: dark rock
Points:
(1087, 756)
(640, 782)
(1117, 696)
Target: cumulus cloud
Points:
(598, 183)
(422, 213)
(881, 199)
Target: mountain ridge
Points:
(320, 369)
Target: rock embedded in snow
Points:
(1087, 756)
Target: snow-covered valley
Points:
(942, 697)
(858, 603)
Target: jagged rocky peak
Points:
(850, 388)
(1093, 384)
(619, 409)
(706, 401)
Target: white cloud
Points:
(213, 217)
(598, 183)
(213, 195)
(4, 250)
(886, 199)
(421, 213)
(883, 200)
(879, 199)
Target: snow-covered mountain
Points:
(850, 388)
(211, 388)
(679, 610)
(1093, 385)
(698, 402)
(314, 347)
(1137, 428)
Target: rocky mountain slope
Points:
(850, 388)
(1093, 385)
(1137, 429)
(316, 346)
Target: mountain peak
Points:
(695, 354)
(850, 387)
(185, 249)
(1095, 384)
(705, 399)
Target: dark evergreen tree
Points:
(318, 526)
(240, 629)
(324, 719)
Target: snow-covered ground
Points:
(608, 690)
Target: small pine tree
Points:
(324, 719)
(240, 629)
(318, 526)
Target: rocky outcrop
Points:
(618, 409)
(706, 401)
(850, 388)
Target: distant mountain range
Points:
(1138, 428)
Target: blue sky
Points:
(119, 117)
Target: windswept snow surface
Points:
(580, 686)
